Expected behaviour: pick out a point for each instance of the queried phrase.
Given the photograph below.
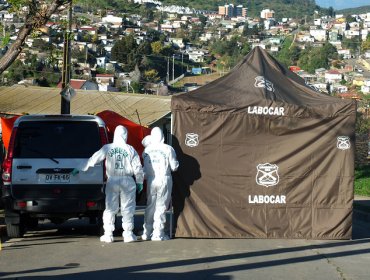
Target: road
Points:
(357, 63)
(73, 251)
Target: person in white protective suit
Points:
(159, 160)
(122, 162)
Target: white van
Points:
(37, 183)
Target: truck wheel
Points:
(32, 223)
(15, 230)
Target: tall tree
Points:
(37, 15)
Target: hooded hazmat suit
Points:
(159, 160)
(121, 162)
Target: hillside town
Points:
(181, 38)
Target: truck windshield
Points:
(44, 139)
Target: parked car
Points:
(37, 180)
(2, 155)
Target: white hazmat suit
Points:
(122, 163)
(159, 160)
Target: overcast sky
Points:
(342, 4)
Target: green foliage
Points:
(16, 72)
(125, 51)
(247, 31)
(352, 44)
(362, 180)
(100, 70)
(355, 11)
(362, 124)
(286, 55)
(286, 8)
(366, 44)
(308, 59)
(231, 51)
(136, 87)
(282, 8)
(350, 19)
(4, 40)
(156, 47)
(151, 75)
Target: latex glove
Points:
(75, 171)
(139, 187)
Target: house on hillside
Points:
(196, 55)
(105, 82)
(333, 76)
(365, 88)
(80, 84)
(319, 34)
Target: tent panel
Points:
(262, 155)
(334, 223)
(306, 177)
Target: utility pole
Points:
(182, 63)
(168, 69)
(86, 51)
(173, 67)
(65, 106)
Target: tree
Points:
(366, 44)
(156, 47)
(144, 48)
(331, 11)
(36, 16)
(151, 75)
(16, 72)
(124, 51)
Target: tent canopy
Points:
(262, 154)
(261, 80)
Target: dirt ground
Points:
(200, 80)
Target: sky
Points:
(342, 4)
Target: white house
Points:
(178, 42)
(340, 88)
(318, 34)
(105, 81)
(112, 19)
(346, 53)
(305, 38)
(196, 55)
(365, 88)
(100, 61)
(267, 13)
(333, 76)
(364, 33)
(317, 22)
(351, 33)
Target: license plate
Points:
(57, 178)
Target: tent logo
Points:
(343, 143)
(261, 82)
(192, 140)
(267, 175)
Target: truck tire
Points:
(15, 230)
(32, 223)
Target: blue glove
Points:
(139, 187)
(75, 171)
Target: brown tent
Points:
(263, 155)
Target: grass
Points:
(362, 180)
